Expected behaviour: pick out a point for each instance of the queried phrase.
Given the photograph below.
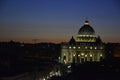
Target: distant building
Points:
(86, 47)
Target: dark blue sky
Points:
(58, 20)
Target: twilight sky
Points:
(58, 20)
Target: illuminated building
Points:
(86, 47)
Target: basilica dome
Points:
(86, 29)
(86, 33)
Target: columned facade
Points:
(86, 47)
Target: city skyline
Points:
(58, 20)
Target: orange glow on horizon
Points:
(51, 40)
(35, 40)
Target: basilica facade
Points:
(86, 47)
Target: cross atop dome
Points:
(86, 22)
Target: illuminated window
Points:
(80, 35)
(90, 35)
(95, 47)
(74, 55)
(82, 54)
(70, 47)
(100, 55)
(83, 35)
(59, 57)
(85, 55)
(90, 47)
(90, 55)
(78, 47)
(47, 77)
(74, 47)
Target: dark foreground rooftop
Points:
(93, 71)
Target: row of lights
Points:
(85, 47)
(86, 35)
(82, 54)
